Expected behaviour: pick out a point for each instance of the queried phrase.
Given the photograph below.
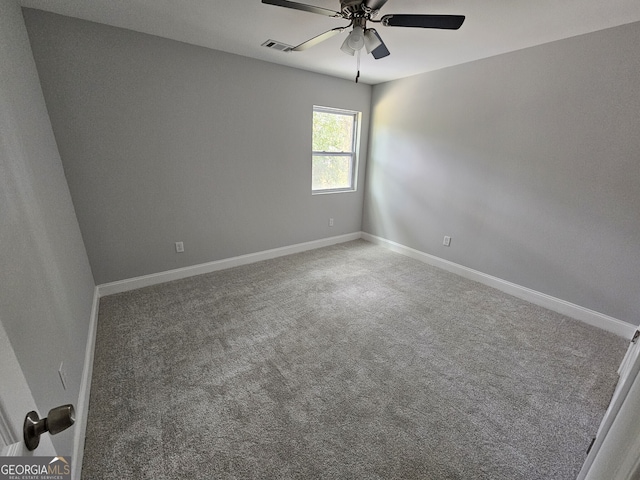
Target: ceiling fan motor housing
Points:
(350, 3)
(353, 9)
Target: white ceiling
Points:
(241, 26)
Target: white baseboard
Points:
(572, 310)
(82, 406)
(170, 275)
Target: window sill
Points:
(329, 192)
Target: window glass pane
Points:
(332, 132)
(330, 172)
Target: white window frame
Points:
(354, 154)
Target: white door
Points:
(15, 402)
(615, 453)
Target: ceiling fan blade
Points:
(316, 40)
(303, 7)
(448, 22)
(381, 50)
(375, 4)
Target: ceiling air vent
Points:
(283, 47)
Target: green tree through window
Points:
(334, 158)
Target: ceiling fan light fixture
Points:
(346, 48)
(371, 40)
(355, 40)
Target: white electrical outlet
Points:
(447, 241)
(63, 375)
(331, 222)
(179, 247)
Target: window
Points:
(336, 136)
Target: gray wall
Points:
(530, 161)
(163, 141)
(46, 284)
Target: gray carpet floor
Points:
(347, 362)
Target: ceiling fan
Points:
(358, 13)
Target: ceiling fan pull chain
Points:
(358, 65)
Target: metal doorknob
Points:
(58, 419)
